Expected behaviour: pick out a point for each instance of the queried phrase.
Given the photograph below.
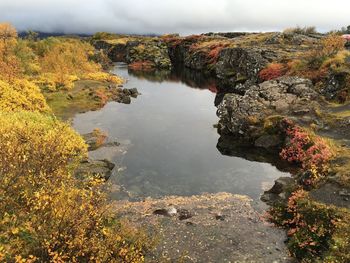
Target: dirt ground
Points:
(207, 228)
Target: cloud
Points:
(169, 16)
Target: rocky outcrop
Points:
(241, 64)
(234, 65)
(154, 52)
(115, 52)
(286, 96)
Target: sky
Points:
(173, 16)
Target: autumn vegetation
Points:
(328, 58)
(46, 213)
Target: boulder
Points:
(241, 64)
(98, 168)
(244, 115)
(280, 191)
(154, 52)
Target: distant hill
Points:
(42, 35)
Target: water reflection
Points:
(192, 78)
(169, 142)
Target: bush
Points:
(65, 60)
(21, 95)
(311, 226)
(103, 76)
(332, 44)
(46, 214)
(300, 30)
(311, 152)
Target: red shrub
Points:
(215, 51)
(310, 153)
(273, 71)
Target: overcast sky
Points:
(170, 16)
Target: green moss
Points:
(81, 98)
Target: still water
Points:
(168, 142)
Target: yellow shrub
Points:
(338, 62)
(21, 95)
(103, 76)
(48, 143)
(47, 215)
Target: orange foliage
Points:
(9, 64)
(215, 51)
(273, 71)
(332, 44)
(7, 31)
(102, 96)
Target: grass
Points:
(82, 98)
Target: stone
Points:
(243, 115)
(184, 214)
(233, 63)
(169, 212)
(268, 141)
(281, 185)
(97, 168)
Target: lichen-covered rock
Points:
(115, 52)
(244, 115)
(241, 64)
(155, 52)
(334, 85)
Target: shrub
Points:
(37, 143)
(273, 71)
(66, 60)
(332, 44)
(46, 214)
(319, 63)
(103, 76)
(338, 63)
(300, 30)
(21, 95)
(311, 225)
(311, 152)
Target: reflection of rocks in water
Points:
(232, 146)
(154, 75)
(192, 78)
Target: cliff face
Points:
(234, 58)
(152, 53)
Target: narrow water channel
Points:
(168, 142)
